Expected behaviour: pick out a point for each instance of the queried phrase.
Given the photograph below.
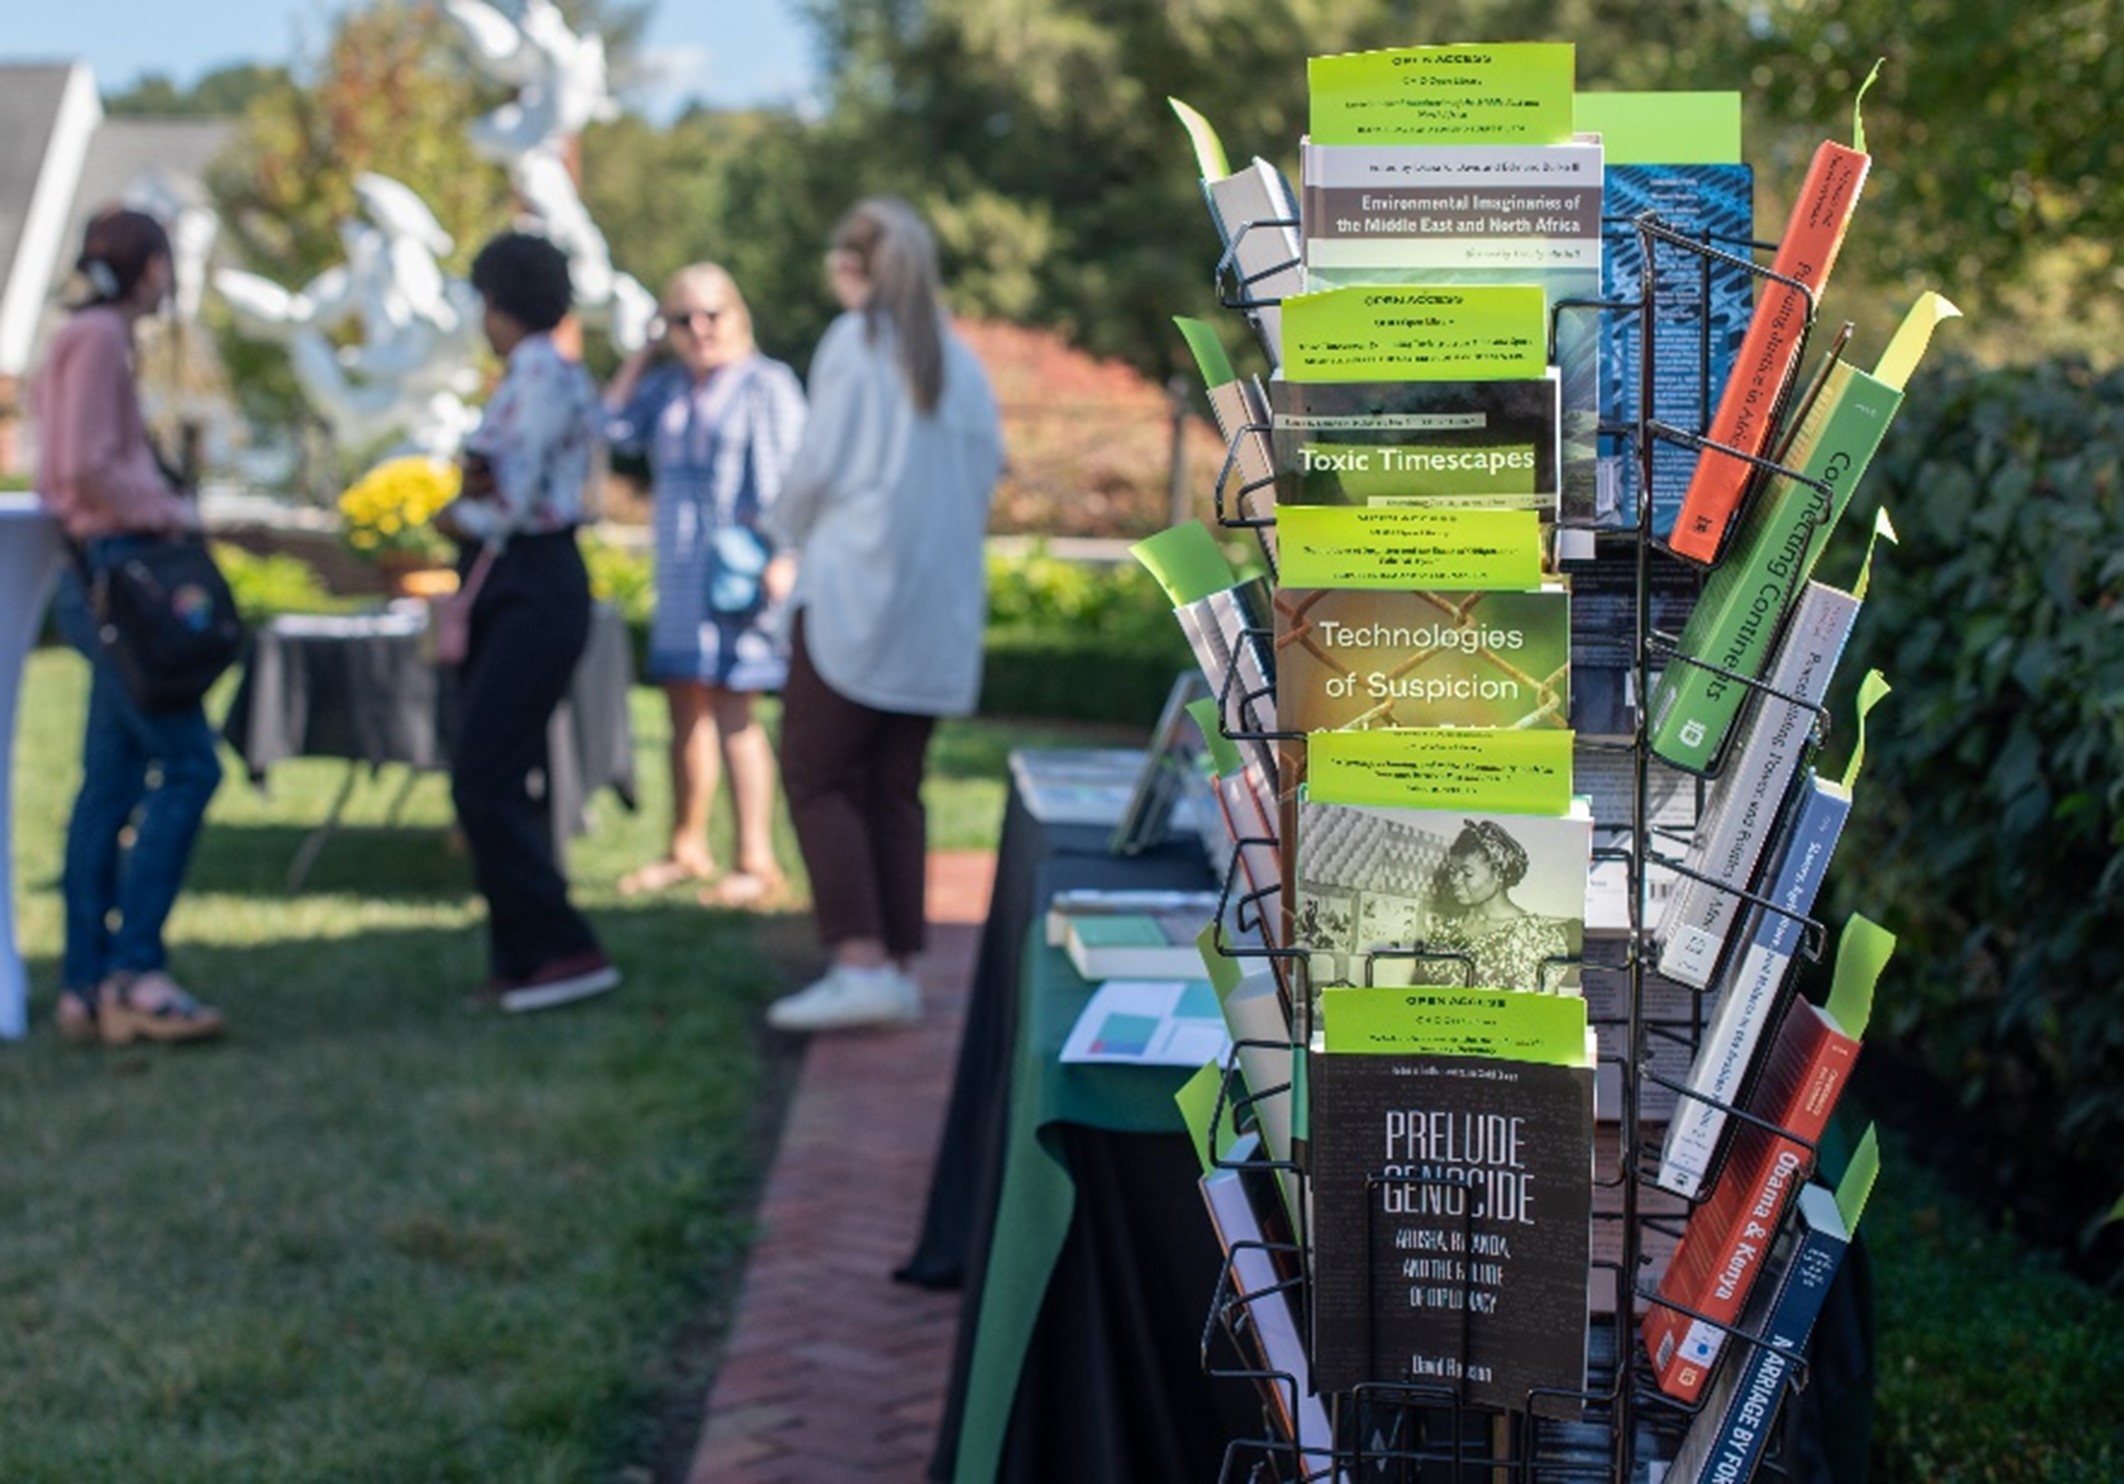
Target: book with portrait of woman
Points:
(1418, 896)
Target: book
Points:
(1260, 1262)
(1351, 658)
(1769, 353)
(1078, 902)
(1246, 484)
(1256, 217)
(1607, 777)
(1075, 785)
(1782, 535)
(1752, 991)
(1451, 1199)
(1226, 624)
(1747, 800)
(1679, 223)
(1482, 443)
(1136, 945)
(1728, 1437)
(1721, 1252)
(1606, 697)
(1526, 215)
(1149, 1023)
(1700, 309)
(1258, 1018)
(1415, 896)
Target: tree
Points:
(222, 93)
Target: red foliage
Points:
(1089, 443)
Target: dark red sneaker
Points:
(562, 982)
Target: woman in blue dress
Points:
(719, 424)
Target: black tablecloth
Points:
(1112, 1386)
(360, 689)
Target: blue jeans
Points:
(154, 771)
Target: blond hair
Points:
(699, 277)
(896, 253)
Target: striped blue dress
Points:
(718, 451)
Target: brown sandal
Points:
(169, 1013)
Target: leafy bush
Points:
(1081, 641)
(266, 585)
(1991, 826)
(623, 577)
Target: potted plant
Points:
(388, 519)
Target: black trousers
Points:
(529, 625)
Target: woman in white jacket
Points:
(881, 521)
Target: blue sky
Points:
(721, 51)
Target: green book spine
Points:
(1735, 623)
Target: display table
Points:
(1087, 1258)
(30, 553)
(359, 688)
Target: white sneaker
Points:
(847, 996)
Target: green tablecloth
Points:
(1038, 1196)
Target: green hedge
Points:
(1990, 827)
(1078, 641)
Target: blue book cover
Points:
(1700, 314)
(1729, 1435)
(1750, 992)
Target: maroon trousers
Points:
(853, 777)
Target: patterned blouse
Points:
(1513, 955)
(537, 434)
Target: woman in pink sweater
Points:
(154, 771)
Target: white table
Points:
(30, 553)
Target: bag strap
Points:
(468, 591)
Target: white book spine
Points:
(1269, 1308)
(1743, 806)
(1751, 992)
(1227, 632)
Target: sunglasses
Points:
(692, 318)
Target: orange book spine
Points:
(1723, 1245)
(1805, 254)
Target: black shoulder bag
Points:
(165, 619)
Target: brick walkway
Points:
(835, 1372)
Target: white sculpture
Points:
(560, 85)
(415, 362)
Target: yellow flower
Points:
(389, 508)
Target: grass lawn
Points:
(374, 1235)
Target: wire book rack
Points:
(1622, 1423)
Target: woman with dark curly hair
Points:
(1512, 948)
(526, 466)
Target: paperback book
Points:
(1746, 413)
(1744, 600)
(1451, 1201)
(1246, 487)
(1256, 217)
(1226, 624)
(1606, 697)
(1729, 1436)
(1723, 1247)
(1751, 986)
(1457, 215)
(1747, 800)
(1136, 945)
(1370, 658)
(1491, 444)
(1258, 1258)
(1412, 896)
(1751, 994)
